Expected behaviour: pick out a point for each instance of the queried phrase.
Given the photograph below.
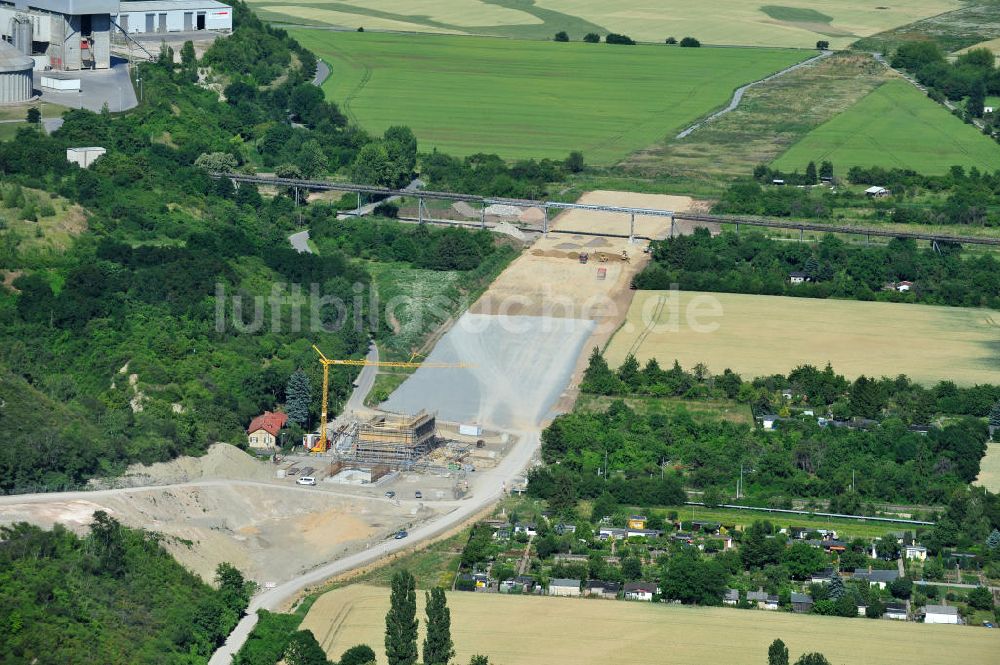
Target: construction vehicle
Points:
(322, 443)
(584, 257)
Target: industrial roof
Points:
(167, 5)
(12, 60)
(70, 7)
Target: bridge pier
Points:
(545, 220)
(482, 215)
(631, 229)
(671, 226)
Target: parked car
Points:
(418, 495)
(306, 480)
(400, 535)
(390, 495)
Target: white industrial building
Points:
(159, 16)
(60, 34)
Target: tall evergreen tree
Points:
(837, 588)
(995, 416)
(777, 653)
(298, 397)
(438, 647)
(826, 170)
(811, 178)
(401, 621)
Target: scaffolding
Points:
(398, 441)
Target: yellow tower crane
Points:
(322, 443)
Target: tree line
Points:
(749, 262)
(113, 595)
(960, 197)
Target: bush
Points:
(592, 38)
(574, 163)
(615, 38)
(690, 42)
(561, 36)
(387, 209)
(671, 40)
(822, 45)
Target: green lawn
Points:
(521, 99)
(894, 126)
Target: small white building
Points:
(918, 552)
(940, 614)
(563, 587)
(84, 157)
(877, 192)
(160, 16)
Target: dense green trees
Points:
(690, 42)
(750, 263)
(801, 458)
(777, 653)
(401, 621)
(112, 596)
(438, 648)
(361, 654)
(689, 578)
(303, 649)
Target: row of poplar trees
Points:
(401, 626)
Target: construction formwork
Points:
(395, 440)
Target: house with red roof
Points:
(263, 430)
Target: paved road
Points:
(322, 73)
(300, 242)
(486, 489)
(367, 209)
(364, 383)
(738, 95)
(97, 88)
(953, 584)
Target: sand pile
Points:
(501, 210)
(509, 229)
(532, 216)
(463, 208)
(221, 461)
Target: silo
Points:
(15, 75)
(21, 32)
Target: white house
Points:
(918, 552)
(640, 591)
(895, 611)
(797, 277)
(767, 422)
(940, 614)
(904, 286)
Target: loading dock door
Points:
(188, 21)
(201, 20)
(149, 22)
(162, 27)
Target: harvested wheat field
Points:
(591, 631)
(760, 335)
(989, 468)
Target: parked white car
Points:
(306, 480)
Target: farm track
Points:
(738, 94)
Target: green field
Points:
(521, 99)
(740, 22)
(894, 126)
